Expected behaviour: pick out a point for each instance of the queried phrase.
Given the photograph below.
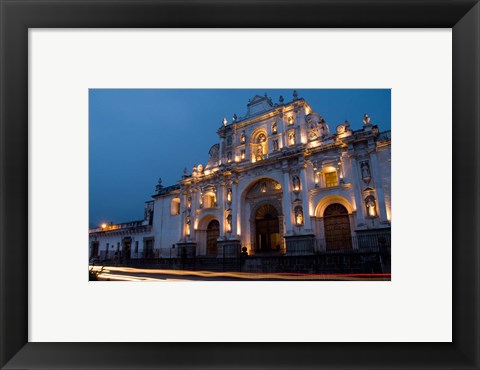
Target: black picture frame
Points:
(17, 16)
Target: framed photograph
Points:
(253, 141)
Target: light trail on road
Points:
(135, 274)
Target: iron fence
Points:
(377, 242)
(364, 243)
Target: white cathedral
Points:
(279, 182)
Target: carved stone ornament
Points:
(263, 187)
(312, 134)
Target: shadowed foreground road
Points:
(113, 273)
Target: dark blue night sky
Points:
(137, 136)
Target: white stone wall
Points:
(384, 161)
(166, 227)
(112, 242)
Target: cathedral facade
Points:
(279, 182)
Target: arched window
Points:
(331, 178)
(327, 177)
(209, 200)
(175, 207)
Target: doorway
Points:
(94, 250)
(213, 231)
(267, 230)
(336, 223)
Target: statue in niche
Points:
(365, 168)
(366, 119)
(274, 127)
(291, 138)
(299, 215)
(229, 221)
(296, 183)
(290, 120)
(275, 144)
(370, 204)
(243, 137)
(259, 155)
(263, 187)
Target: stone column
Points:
(378, 186)
(220, 154)
(305, 204)
(181, 234)
(220, 202)
(234, 208)
(193, 215)
(356, 182)
(286, 203)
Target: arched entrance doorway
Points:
(213, 231)
(267, 229)
(337, 227)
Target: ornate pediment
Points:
(259, 104)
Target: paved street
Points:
(113, 273)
